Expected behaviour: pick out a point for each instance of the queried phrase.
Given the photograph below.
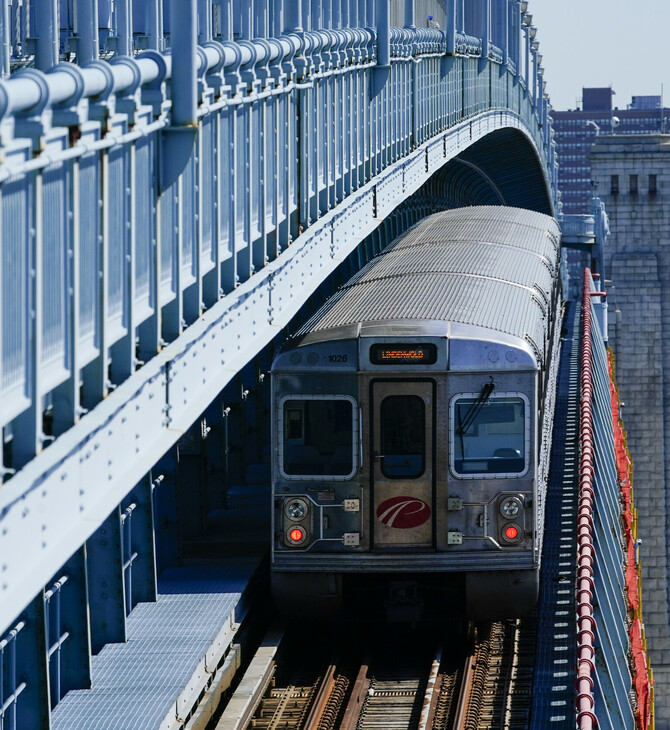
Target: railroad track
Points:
(501, 679)
(405, 685)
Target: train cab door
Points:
(402, 463)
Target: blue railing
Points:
(612, 677)
(11, 686)
(134, 197)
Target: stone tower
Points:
(632, 177)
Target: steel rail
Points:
(467, 679)
(357, 699)
(321, 700)
(430, 696)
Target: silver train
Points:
(412, 421)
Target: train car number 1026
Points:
(337, 358)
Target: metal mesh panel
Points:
(117, 205)
(14, 306)
(89, 262)
(144, 194)
(55, 276)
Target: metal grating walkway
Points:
(175, 644)
(136, 684)
(553, 691)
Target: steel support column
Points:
(106, 593)
(142, 542)
(32, 706)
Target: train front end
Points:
(404, 468)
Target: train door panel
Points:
(402, 464)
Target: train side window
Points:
(402, 437)
(489, 437)
(317, 437)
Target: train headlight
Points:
(296, 509)
(511, 532)
(296, 536)
(510, 508)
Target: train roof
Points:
(490, 267)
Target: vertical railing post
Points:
(485, 33)
(382, 70)
(516, 24)
(204, 21)
(178, 139)
(47, 26)
(409, 14)
(24, 23)
(504, 31)
(105, 26)
(87, 30)
(243, 22)
(526, 29)
(6, 38)
(124, 28)
(184, 71)
(226, 20)
(293, 17)
(336, 17)
(535, 77)
(261, 20)
(344, 10)
(485, 27)
(451, 26)
(316, 14)
(382, 21)
(155, 24)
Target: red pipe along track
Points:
(586, 624)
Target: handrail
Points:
(586, 623)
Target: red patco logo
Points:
(403, 512)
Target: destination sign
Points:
(399, 353)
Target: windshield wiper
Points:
(465, 423)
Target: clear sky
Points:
(616, 43)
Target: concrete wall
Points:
(637, 261)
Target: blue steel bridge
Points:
(179, 183)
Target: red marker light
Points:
(296, 534)
(511, 532)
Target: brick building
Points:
(577, 129)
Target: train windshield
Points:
(318, 437)
(489, 437)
